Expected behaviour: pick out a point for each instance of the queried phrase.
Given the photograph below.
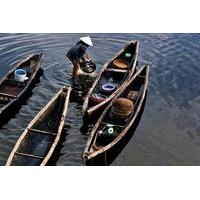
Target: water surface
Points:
(169, 130)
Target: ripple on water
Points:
(168, 133)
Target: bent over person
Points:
(77, 54)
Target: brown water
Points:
(169, 130)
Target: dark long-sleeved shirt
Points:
(77, 51)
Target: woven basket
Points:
(122, 108)
(121, 64)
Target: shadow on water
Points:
(76, 96)
(88, 122)
(113, 153)
(171, 112)
(7, 115)
(57, 152)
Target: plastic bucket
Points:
(20, 75)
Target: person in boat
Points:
(80, 58)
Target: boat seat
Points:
(116, 70)
(7, 95)
(11, 81)
(29, 155)
(42, 132)
(115, 125)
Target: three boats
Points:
(117, 80)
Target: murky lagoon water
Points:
(169, 130)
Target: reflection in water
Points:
(169, 130)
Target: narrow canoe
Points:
(111, 73)
(101, 140)
(11, 91)
(38, 141)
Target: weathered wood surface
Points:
(16, 98)
(42, 132)
(7, 95)
(29, 155)
(64, 91)
(89, 152)
(130, 71)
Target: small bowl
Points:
(108, 88)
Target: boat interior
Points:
(10, 88)
(40, 137)
(127, 55)
(111, 126)
(114, 75)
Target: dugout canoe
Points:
(115, 72)
(13, 92)
(38, 141)
(101, 141)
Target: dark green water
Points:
(169, 130)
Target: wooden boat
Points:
(39, 140)
(11, 91)
(101, 141)
(115, 72)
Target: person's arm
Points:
(87, 57)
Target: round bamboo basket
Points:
(122, 108)
(120, 64)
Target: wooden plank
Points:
(40, 131)
(116, 70)
(22, 137)
(91, 140)
(7, 95)
(115, 125)
(29, 155)
(62, 121)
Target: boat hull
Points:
(91, 110)
(108, 157)
(11, 110)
